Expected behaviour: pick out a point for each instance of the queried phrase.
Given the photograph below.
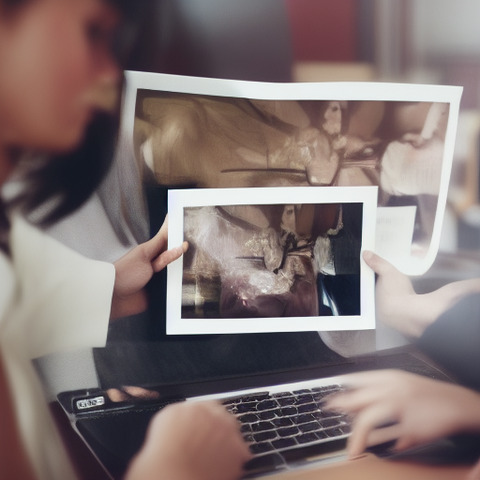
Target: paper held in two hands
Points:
(278, 188)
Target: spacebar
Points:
(263, 464)
(279, 460)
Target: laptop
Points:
(273, 382)
(280, 410)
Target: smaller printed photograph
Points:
(271, 259)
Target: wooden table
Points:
(369, 467)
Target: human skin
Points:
(136, 268)
(474, 473)
(214, 450)
(55, 59)
(416, 409)
(399, 306)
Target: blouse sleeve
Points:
(64, 298)
(453, 341)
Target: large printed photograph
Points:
(215, 141)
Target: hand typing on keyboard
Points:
(191, 441)
(411, 409)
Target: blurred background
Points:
(421, 41)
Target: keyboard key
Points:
(248, 418)
(282, 422)
(286, 401)
(330, 422)
(281, 394)
(267, 415)
(264, 463)
(334, 432)
(264, 436)
(309, 407)
(262, 426)
(304, 418)
(304, 399)
(289, 411)
(284, 443)
(306, 438)
(288, 431)
(267, 405)
(322, 415)
(256, 398)
(309, 427)
(321, 434)
(246, 428)
(313, 449)
(258, 448)
(246, 407)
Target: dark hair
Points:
(69, 179)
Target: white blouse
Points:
(51, 300)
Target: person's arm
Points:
(191, 441)
(136, 268)
(386, 405)
(399, 306)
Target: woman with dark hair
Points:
(57, 131)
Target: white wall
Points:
(442, 27)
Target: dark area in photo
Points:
(250, 261)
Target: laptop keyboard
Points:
(276, 424)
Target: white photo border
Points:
(180, 199)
